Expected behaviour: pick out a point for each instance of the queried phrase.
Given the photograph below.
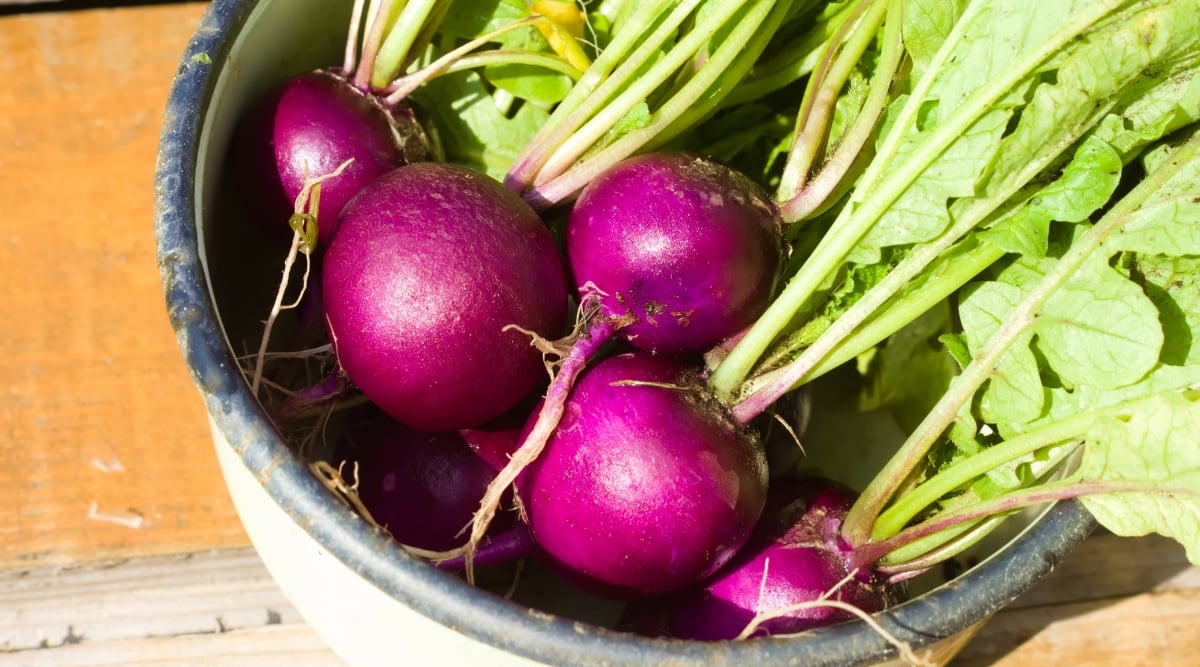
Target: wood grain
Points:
(100, 427)
(214, 608)
(1113, 602)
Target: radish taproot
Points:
(431, 267)
(645, 487)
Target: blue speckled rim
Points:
(941, 613)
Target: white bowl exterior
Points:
(362, 624)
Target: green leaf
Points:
(927, 23)
(529, 82)
(1162, 101)
(1167, 227)
(848, 106)
(469, 19)
(1100, 329)
(994, 35)
(1167, 224)
(1014, 392)
(1153, 447)
(1173, 284)
(910, 372)
(1068, 402)
(1086, 184)
(637, 118)
(956, 346)
(469, 126)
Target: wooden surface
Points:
(118, 543)
(105, 448)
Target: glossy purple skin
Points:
(320, 120)
(798, 546)
(430, 263)
(422, 487)
(687, 246)
(642, 490)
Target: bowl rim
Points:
(941, 613)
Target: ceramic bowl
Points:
(372, 602)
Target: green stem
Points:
(965, 471)
(855, 221)
(379, 19)
(816, 109)
(728, 62)
(924, 553)
(547, 61)
(1005, 504)
(803, 199)
(350, 56)
(629, 51)
(858, 527)
(404, 86)
(968, 470)
(943, 280)
(393, 56)
(570, 150)
(798, 59)
(933, 545)
(695, 101)
(896, 551)
(760, 392)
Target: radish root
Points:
(573, 353)
(907, 654)
(304, 234)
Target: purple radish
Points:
(335, 117)
(646, 487)
(684, 248)
(670, 251)
(795, 556)
(423, 487)
(432, 268)
(307, 128)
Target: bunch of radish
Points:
(573, 260)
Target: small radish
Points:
(795, 557)
(308, 127)
(685, 249)
(422, 487)
(645, 487)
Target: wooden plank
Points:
(1114, 602)
(216, 608)
(1142, 607)
(291, 645)
(1151, 630)
(103, 437)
